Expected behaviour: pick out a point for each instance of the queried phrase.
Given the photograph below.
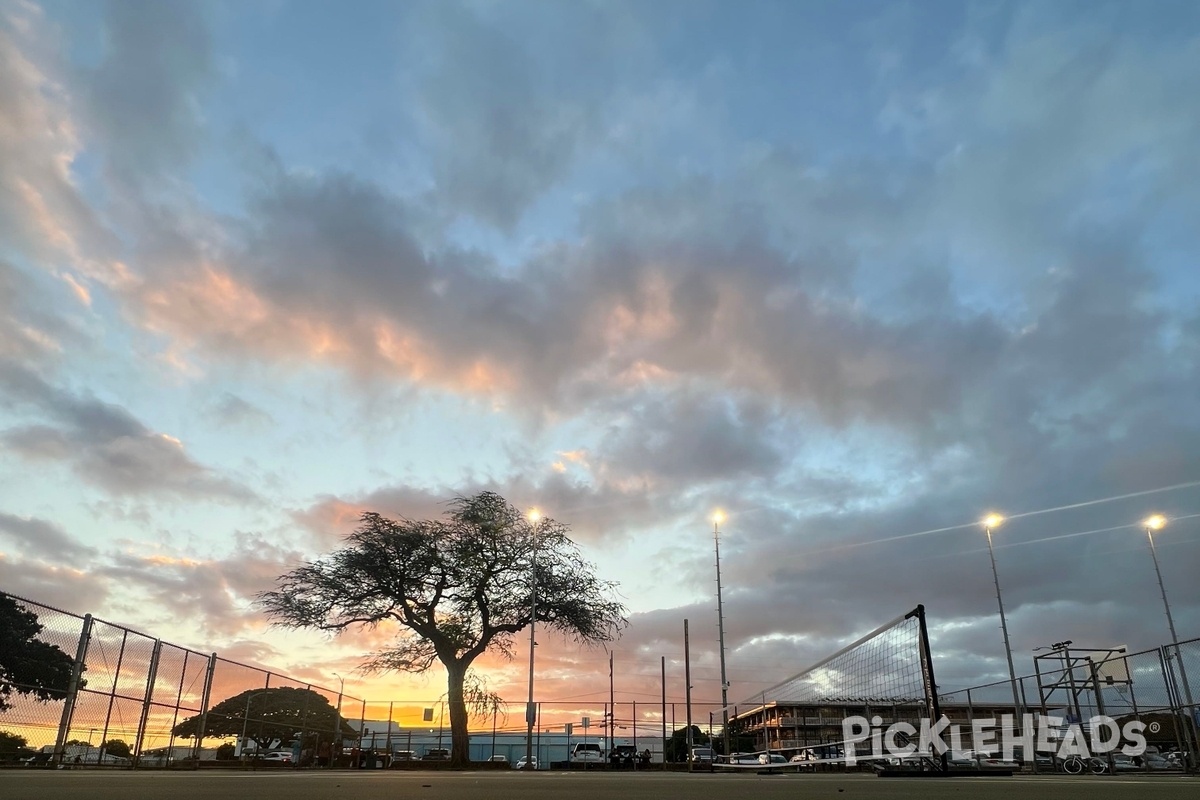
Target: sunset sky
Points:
(857, 273)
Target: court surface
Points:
(19, 784)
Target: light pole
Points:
(989, 522)
(337, 723)
(718, 517)
(1154, 523)
(531, 710)
(245, 719)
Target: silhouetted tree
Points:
(29, 666)
(281, 714)
(457, 587)
(11, 742)
(117, 747)
(677, 748)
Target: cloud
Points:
(229, 409)
(43, 214)
(54, 585)
(44, 538)
(217, 593)
(500, 130)
(142, 98)
(106, 445)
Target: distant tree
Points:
(282, 714)
(77, 743)
(677, 748)
(741, 740)
(29, 666)
(457, 588)
(117, 747)
(227, 752)
(11, 742)
(13, 747)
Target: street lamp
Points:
(718, 518)
(337, 722)
(535, 516)
(245, 719)
(1153, 523)
(989, 522)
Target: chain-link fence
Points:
(1075, 687)
(110, 696)
(89, 692)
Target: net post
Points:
(931, 699)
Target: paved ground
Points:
(211, 785)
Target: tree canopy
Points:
(677, 743)
(28, 665)
(117, 747)
(456, 587)
(268, 715)
(11, 742)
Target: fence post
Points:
(151, 676)
(64, 722)
(303, 726)
(205, 700)
(178, 702)
(112, 694)
(1182, 739)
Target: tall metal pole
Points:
(663, 662)
(1012, 672)
(612, 708)
(687, 684)
(530, 709)
(1183, 678)
(721, 638)
(338, 743)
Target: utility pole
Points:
(717, 517)
(687, 682)
(663, 660)
(612, 708)
(530, 708)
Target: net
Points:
(882, 668)
(884, 677)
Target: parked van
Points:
(702, 755)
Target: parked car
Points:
(702, 755)
(772, 759)
(522, 763)
(622, 755)
(436, 754)
(498, 758)
(996, 763)
(743, 758)
(404, 755)
(278, 756)
(586, 751)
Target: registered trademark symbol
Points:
(1154, 727)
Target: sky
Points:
(856, 273)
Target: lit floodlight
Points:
(1156, 522)
(993, 521)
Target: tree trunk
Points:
(460, 740)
